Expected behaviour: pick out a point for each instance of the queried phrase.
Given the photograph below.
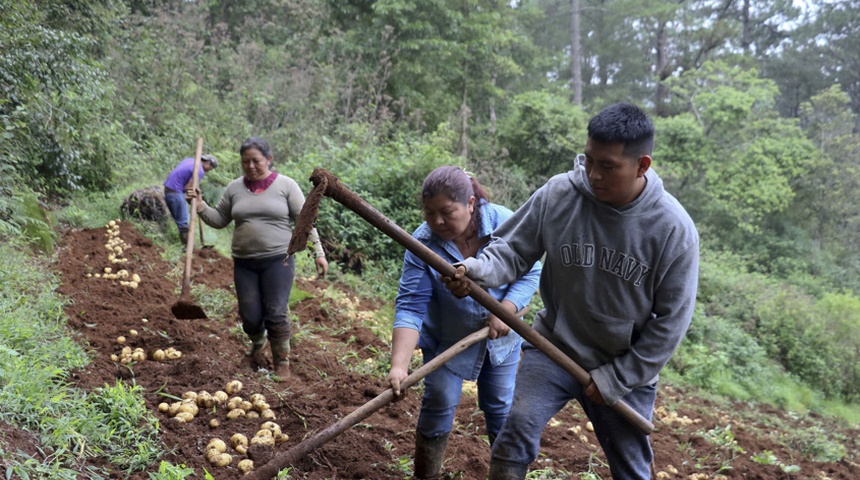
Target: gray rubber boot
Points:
(429, 453)
(504, 470)
(281, 358)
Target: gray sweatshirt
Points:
(263, 220)
(618, 285)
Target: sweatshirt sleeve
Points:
(514, 250)
(672, 313)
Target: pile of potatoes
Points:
(116, 246)
(216, 453)
(127, 355)
(268, 435)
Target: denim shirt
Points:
(425, 304)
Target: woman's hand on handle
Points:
(459, 284)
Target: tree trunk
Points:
(575, 53)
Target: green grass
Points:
(37, 355)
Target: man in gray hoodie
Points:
(618, 285)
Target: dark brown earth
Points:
(331, 344)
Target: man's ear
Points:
(644, 164)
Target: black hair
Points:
(458, 186)
(626, 124)
(257, 143)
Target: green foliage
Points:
(387, 176)
(23, 216)
(112, 422)
(543, 133)
(59, 135)
(169, 471)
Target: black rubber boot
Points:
(281, 358)
(429, 453)
(504, 470)
(255, 353)
(258, 342)
(183, 237)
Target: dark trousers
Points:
(263, 289)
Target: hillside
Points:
(338, 364)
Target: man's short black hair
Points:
(623, 123)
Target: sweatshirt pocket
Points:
(606, 335)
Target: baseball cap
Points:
(211, 159)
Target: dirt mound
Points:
(330, 347)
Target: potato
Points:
(246, 406)
(158, 355)
(186, 416)
(252, 414)
(188, 407)
(233, 387)
(173, 355)
(264, 441)
(138, 356)
(282, 438)
(163, 407)
(246, 466)
(136, 279)
(257, 397)
(220, 396)
(120, 339)
(242, 449)
(214, 423)
(261, 406)
(238, 439)
(268, 414)
(222, 460)
(271, 426)
(114, 358)
(205, 400)
(235, 413)
(174, 408)
(132, 332)
(217, 444)
(210, 454)
(189, 395)
(265, 432)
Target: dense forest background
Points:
(756, 106)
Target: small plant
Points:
(768, 458)
(169, 471)
(724, 440)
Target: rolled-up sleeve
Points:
(416, 289)
(521, 292)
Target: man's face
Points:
(614, 178)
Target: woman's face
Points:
(254, 165)
(449, 219)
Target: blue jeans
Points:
(178, 207)
(543, 389)
(442, 390)
(263, 289)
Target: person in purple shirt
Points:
(175, 186)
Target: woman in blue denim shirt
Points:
(458, 223)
